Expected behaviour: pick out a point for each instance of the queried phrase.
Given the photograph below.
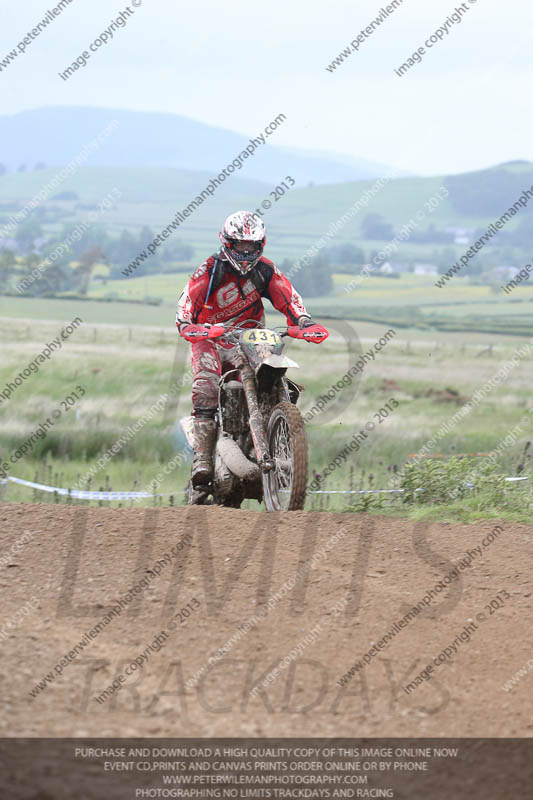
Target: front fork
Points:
(257, 427)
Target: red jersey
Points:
(236, 298)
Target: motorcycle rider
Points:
(229, 287)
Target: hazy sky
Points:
(238, 64)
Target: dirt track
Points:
(377, 568)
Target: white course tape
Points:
(83, 495)
(80, 494)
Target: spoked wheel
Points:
(284, 486)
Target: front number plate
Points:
(262, 336)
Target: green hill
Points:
(151, 196)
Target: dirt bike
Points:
(261, 445)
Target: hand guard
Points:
(215, 331)
(194, 333)
(312, 332)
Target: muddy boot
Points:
(202, 464)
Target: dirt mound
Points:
(214, 602)
(390, 385)
(447, 395)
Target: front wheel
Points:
(284, 486)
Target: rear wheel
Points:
(284, 486)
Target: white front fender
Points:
(280, 362)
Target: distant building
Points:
(461, 235)
(426, 269)
(394, 267)
(506, 271)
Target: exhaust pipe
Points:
(236, 461)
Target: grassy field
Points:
(34, 311)
(417, 293)
(408, 300)
(125, 363)
(408, 289)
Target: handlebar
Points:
(233, 331)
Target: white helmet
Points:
(243, 226)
